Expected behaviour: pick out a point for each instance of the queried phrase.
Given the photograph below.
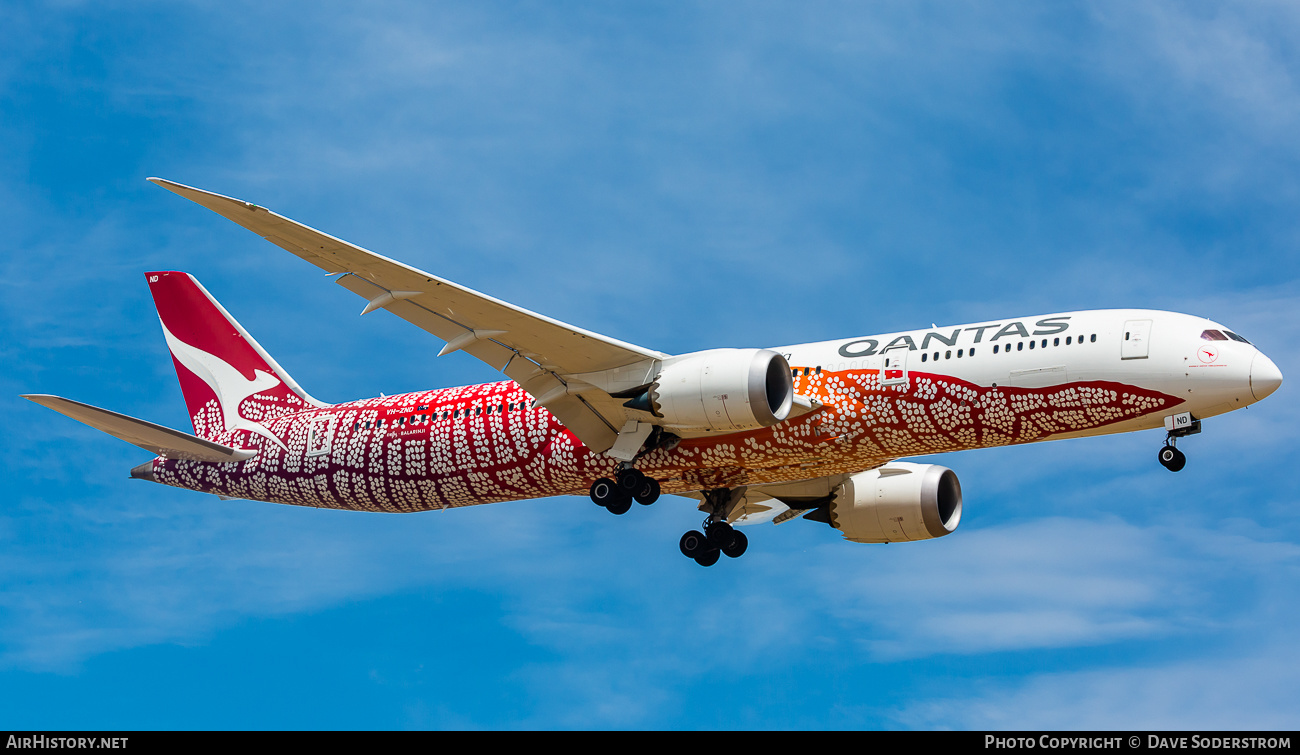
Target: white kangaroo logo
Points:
(230, 386)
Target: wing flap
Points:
(159, 440)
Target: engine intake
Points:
(897, 502)
(721, 390)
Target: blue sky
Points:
(682, 176)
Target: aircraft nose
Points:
(1265, 377)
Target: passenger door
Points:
(894, 369)
(1137, 334)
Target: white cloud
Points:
(1252, 690)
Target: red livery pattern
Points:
(488, 443)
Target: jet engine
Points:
(721, 390)
(897, 502)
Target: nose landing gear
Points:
(1178, 426)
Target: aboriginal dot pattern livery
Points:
(488, 443)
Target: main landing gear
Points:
(718, 538)
(628, 485)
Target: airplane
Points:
(810, 431)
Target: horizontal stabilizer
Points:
(163, 441)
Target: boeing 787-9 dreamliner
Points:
(755, 435)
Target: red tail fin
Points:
(230, 383)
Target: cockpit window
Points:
(1213, 335)
(1235, 337)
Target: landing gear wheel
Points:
(620, 505)
(630, 480)
(1172, 459)
(604, 492)
(648, 494)
(738, 545)
(692, 543)
(720, 534)
(708, 557)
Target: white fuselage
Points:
(1156, 350)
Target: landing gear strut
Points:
(1170, 457)
(628, 485)
(718, 538)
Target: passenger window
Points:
(959, 353)
(1020, 346)
(1031, 344)
(1067, 340)
(1056, 342)
(995, 349)
(923, 356)
(1094, 338)
(947, 355)
(972, 351)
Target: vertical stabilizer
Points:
(230, 383)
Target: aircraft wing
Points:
(569, 370)
(162, 441)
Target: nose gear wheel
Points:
(1172, 459)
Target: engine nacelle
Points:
(897, 502)
(722, 390)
